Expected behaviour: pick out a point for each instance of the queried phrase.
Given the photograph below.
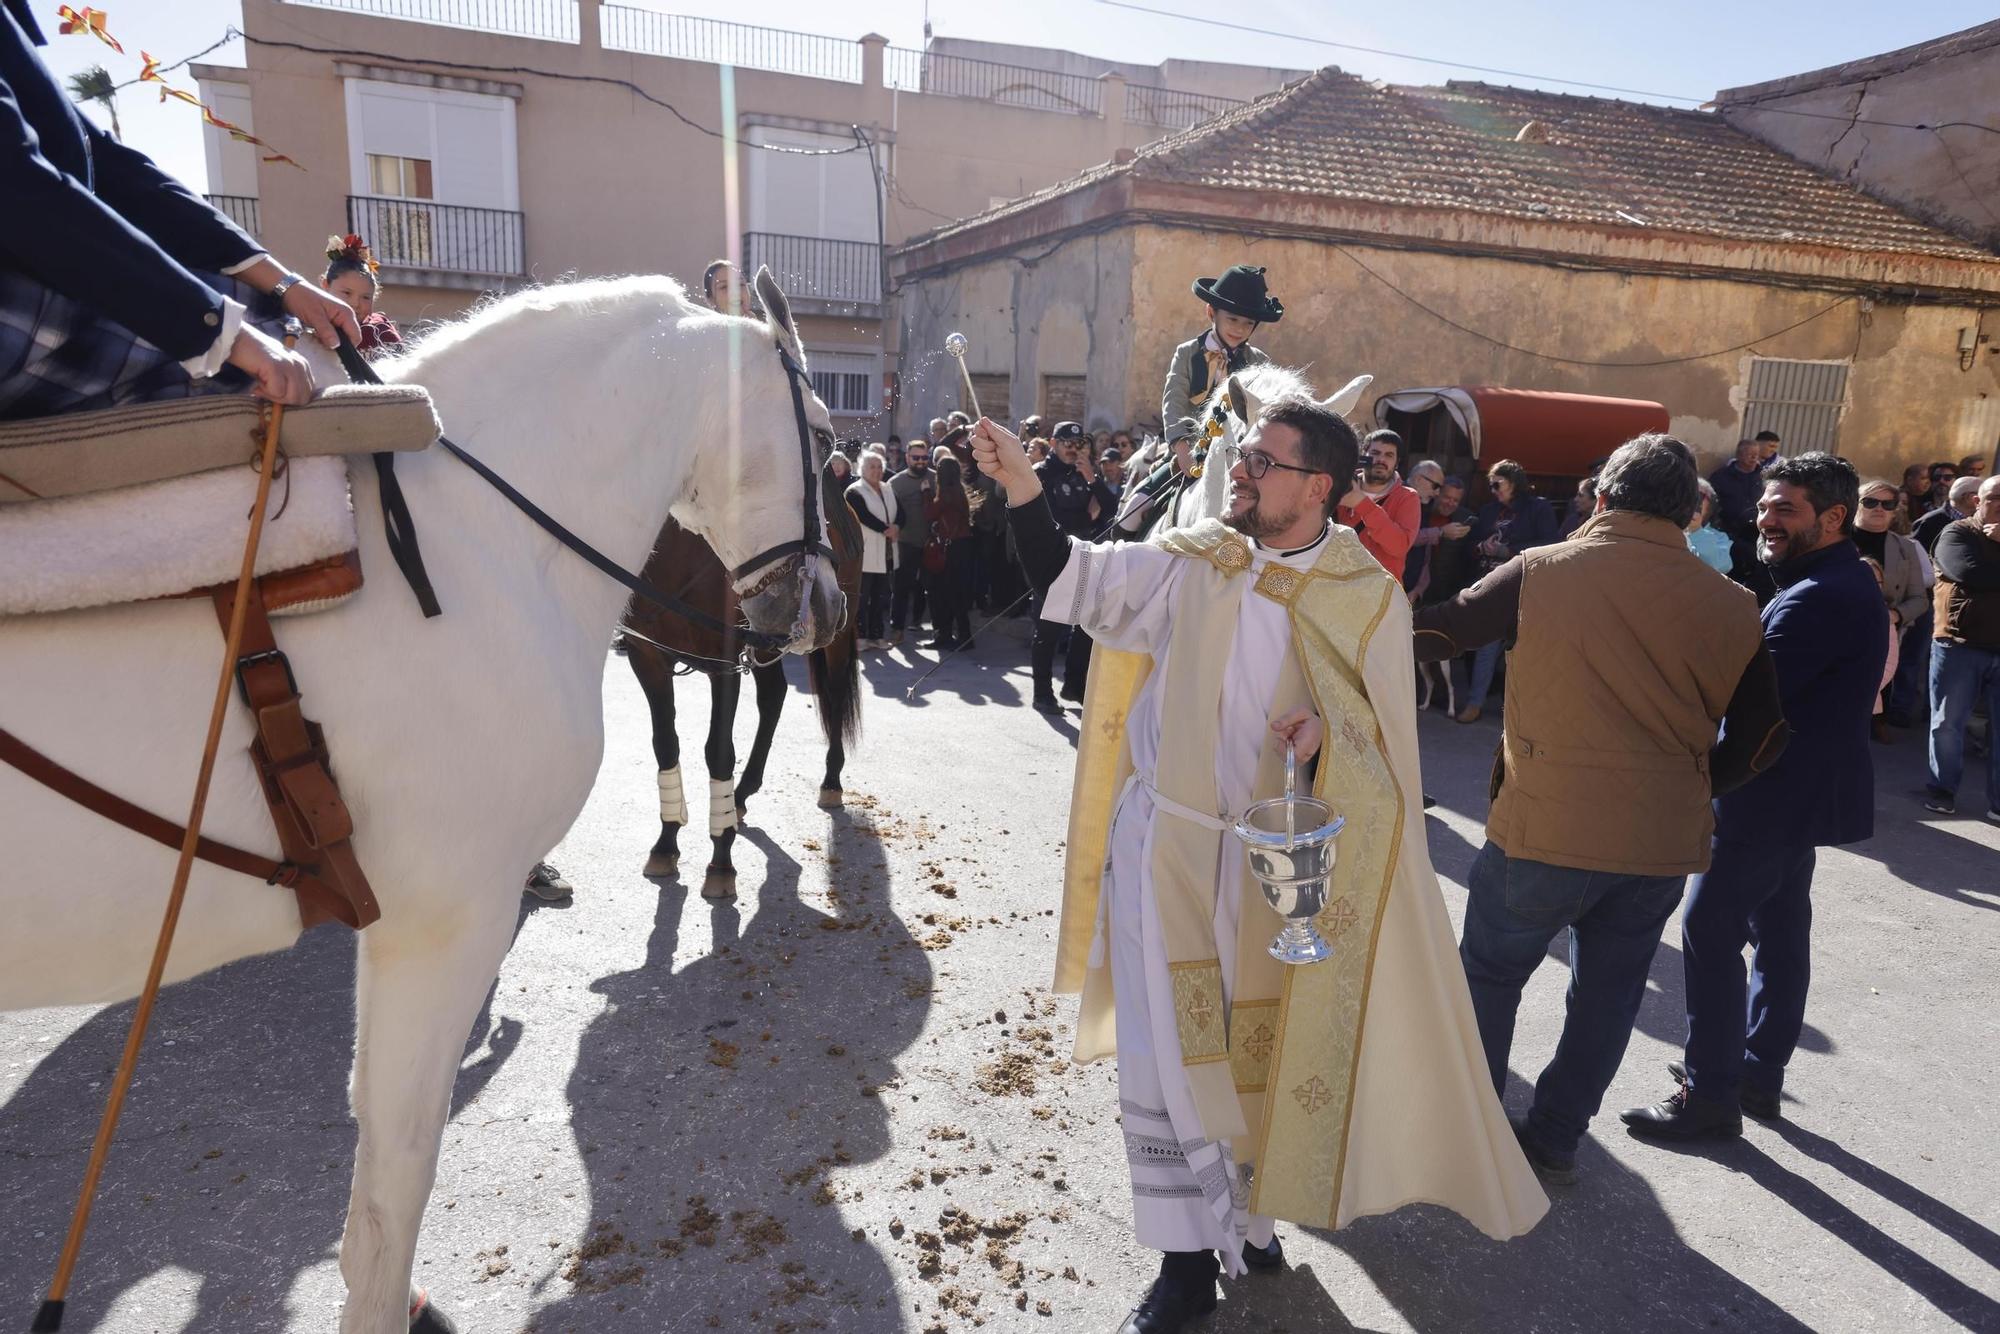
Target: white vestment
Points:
(1187, 1195)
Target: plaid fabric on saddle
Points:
(58, 356)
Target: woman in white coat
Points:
(874, 504)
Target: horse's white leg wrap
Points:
(721, 806)
(673, 803)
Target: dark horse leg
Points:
(656, 677)
(771, 691)
(832, 795)
(725, 689)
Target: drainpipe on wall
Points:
(589, 27)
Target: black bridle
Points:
(402, 533)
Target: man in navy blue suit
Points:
(117, 283)
(1828, 638)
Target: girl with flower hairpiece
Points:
(351, 275)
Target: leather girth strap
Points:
(313, 823)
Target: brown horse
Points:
(683, 566)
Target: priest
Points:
(1251, 1091)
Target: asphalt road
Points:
(842, 1102)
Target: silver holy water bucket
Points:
(1290, 843)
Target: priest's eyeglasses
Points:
(1256, 463)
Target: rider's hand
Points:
(282, 375)
(999, 455)
(1303, 729)
(322, 312)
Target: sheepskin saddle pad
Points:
(82, 452)
(181, 536)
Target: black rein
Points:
(402, 532)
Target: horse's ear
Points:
(777, 310)
(1342, 401)
(1246, 405)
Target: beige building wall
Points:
(611, 184)
(1907, 398)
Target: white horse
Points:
(1252, 389)
(465, 745)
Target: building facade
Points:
(1471, 235)
(479, 145)
(1912, 127)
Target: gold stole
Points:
(1291, 1032)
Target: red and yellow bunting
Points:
(87, 20)
(149, 72)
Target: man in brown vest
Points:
(1628, 654)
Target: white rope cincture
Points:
(721, 806)
(673, 803)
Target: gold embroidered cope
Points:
(1292, 1029)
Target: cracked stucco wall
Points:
(1121, 299)
(1066, 311)
(1856, 130)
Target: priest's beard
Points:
(1258, 520)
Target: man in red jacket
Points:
(1379, 507)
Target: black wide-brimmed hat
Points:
(1240, 291)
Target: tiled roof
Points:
(1587, 160)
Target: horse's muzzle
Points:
(803, 606)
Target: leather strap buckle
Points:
(250, 660)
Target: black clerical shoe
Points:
(1047, 704)
(1754, 1102)
(1684, 1117)
(1182, 1294)
(1266, 1260)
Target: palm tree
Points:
(95, 85)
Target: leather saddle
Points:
(86, 480)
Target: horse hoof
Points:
(832, 798)
(719, 885)
(663, 864)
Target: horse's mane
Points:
(1272, 383)
(576, 296)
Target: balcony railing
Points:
(715, 42)
(991, 81)
(239, 209)
(549, 20)
(449, 238)
(1172, 109)
(629, 27)
(808, 267)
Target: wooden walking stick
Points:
(49, 1317)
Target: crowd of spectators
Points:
(938, 551)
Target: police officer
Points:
(1071, 483)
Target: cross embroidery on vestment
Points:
(1313, 1094)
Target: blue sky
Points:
(1689, 48)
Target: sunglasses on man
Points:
(1877, 503)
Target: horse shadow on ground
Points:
(235, 1149)
(753, 1076)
